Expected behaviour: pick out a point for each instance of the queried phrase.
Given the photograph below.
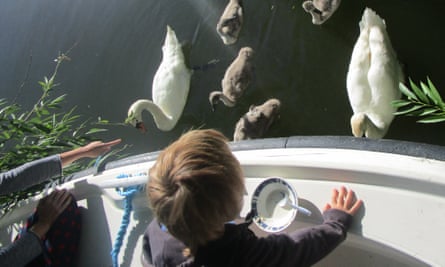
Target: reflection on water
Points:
(119, 49)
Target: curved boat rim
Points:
(406, 148)
(401, 183)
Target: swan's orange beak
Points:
(141, 127)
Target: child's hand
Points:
(344, 200)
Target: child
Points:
(197, 185)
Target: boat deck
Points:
(401, 183)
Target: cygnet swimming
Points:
(256, 122)
(230, 23)
(321, 10)
(237, 78)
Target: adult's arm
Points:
(37, 171)
(29, 174)
(90, 150)
(22, 251)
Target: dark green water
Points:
(119, 49)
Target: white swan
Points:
(373, 78)
(170, 89)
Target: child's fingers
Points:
(354, 209)
(334, 196)
(341, 196)
(350, 197)
(327, 207)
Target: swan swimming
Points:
(170, 88)
(373, 78)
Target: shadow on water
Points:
(119, 49)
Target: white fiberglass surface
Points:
(398, 227)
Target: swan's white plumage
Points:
(170, 88)
(373, 78)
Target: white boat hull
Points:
(403, 191)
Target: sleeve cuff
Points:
(339, 216)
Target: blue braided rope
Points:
(128, 193)
(97, 162)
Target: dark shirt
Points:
(240, 247)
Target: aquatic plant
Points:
(42, 131)
(421, 101)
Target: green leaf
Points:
(408, 111)
(430, 93)
(58, 99)
(102, 121)
(95, 130)
(40, 131)
(400, 103)
(432, 119)
(6, 135)
(42, 127)
(435, 93)
(419, 93)
(51, 81)
(428, 111)
(407, 92)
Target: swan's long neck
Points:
(216, 96)
(362, 125)
(163, 121)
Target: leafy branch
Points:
(421, 101)
(42, 131)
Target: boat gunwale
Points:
(400, 147)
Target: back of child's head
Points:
(195, 186)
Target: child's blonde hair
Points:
(195, 186)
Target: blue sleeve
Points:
(22, 251)
(29, 174)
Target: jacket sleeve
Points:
(29, 174)
(314, 243)
(303, 247)
(22, 251)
